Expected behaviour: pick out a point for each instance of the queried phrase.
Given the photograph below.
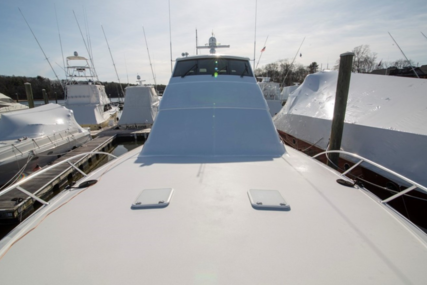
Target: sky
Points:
(329, 27)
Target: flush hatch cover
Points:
(153, 198)
(267, 200)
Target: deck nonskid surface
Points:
(211, 233)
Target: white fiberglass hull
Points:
(93, 117)
(91, 106)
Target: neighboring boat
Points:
(141, 106)
(9, 105)
(214, 197)
(385, 122)
(86, 97)
(271, 92)
(30, 139)
(286, 91)
(385, 119)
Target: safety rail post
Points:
(76, 168)
(353, 167)
(43, 170)
(379, 166)
(343, 85)
(32, 195)
(413, 187)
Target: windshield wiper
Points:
(194, 66)
(244, 71)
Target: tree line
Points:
(364, 61)
(13, 86)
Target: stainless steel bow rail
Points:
(18, 185)
(414, 185)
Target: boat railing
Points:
(414, 185)
(18, 184)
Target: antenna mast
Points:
(42, 50)
(170, 33)
(112, 59)
(256, 6)
(404, 56)
(154, 77)
(197, 50)
(127, 74)
(87, 49)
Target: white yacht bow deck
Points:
(212, 142)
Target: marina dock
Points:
(16, 206)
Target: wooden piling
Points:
(46, 99)
(341, 96)
(29, 92)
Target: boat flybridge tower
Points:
(213, 45)
(78, 67)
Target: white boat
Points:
(86, 96)
(9, 105)
(271, 92)
(32, 138)
(141, 106)
(385, 119)
(213, 197)
(286, 91)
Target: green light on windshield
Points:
(216, 74)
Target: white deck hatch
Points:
(153, 198)
(267, 200)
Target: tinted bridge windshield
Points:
(215, 67)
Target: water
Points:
(126, 146)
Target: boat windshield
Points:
(212, 66)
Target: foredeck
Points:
(210, 233)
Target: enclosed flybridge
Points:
(86, 96)
(141, 106)
(214, 197)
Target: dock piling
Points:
(29, 92)
(46, 99)
(343, 86)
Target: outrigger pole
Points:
(265, 43)
(60, 42)
(87, 49)
(283, 83)
(114, 64)
(42, 50)
(404, 55)
(149, 58)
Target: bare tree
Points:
(363, 61)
